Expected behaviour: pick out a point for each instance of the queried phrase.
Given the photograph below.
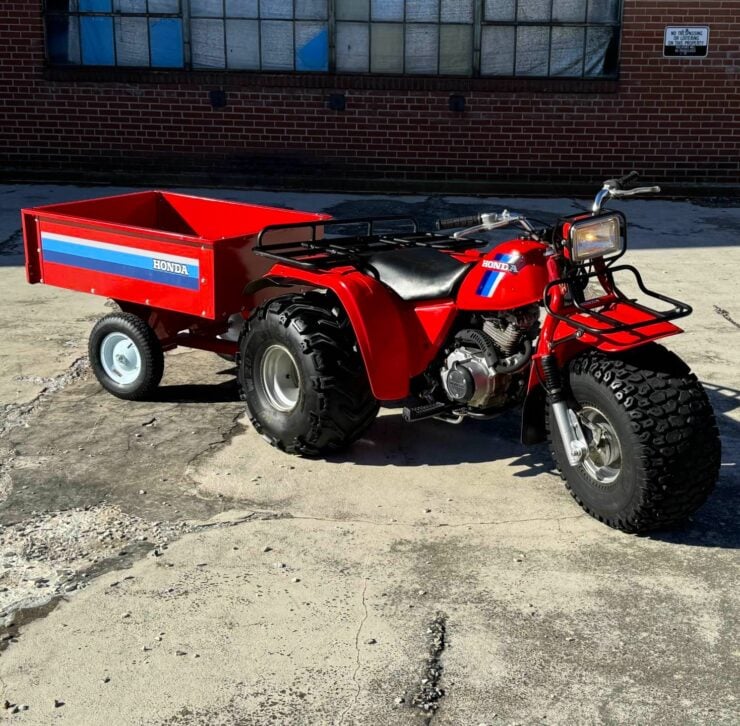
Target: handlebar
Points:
(455, 222)
(614, 188)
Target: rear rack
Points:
(351, 250)
(678, 310)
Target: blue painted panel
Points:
(97, 41)
(114, 257)
(95, 6)
(314, 55)
(165, 38)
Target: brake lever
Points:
(634, 192)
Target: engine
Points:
(481, 369)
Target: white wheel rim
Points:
(120, 358)
(280, 378)
(604, 458)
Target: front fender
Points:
(558, 338)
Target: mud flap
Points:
(533, 417)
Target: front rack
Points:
(351, 249)
(678, 310)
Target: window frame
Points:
(359, 79)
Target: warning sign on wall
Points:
(686, 42)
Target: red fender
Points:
(397, 339)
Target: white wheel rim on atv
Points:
(120, 358)
(603, 461)
(280, 378)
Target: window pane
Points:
(129, 6)
(242, 8)
(312, 47)
(353, 47)
(62, 39)
(165, 38)
(534, 10)
(353, 9)
(386, 48)
(566, 54)
(164, 6)
(497, 50)
(277, 45)
(311, 9)
(500, 10)
(95, 6)
(207, 43)
(97, 41)
(457, 11)
(601, 51)
(603, 11)
(206, 8)
(532, 50)
(243, 44)
(276, 9)
(386, 9)
(422, 46)
(573, 11)
(132, 42)
(456, 50)
(421, 10)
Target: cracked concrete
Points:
(301, 591)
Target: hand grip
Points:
(627, 178)
(455, 222)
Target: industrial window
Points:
(505, 38)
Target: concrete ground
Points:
(161, 564)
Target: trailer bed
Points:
(157, 249)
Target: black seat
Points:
(417, 273)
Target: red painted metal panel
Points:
(490, 286)
(161, 250)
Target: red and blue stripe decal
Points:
(156, 267)
(492, 278)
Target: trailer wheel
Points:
(654, 448)
(126, 356)
(302, 376)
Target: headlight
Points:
(595, 237)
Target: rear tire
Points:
(126, 356)
(302, 376)
(660, 449)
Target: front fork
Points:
(571, 433)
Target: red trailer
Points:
(176, 262)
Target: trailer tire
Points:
(659, 416)
(126, 356)
(324, 402)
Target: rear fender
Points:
(397, 340)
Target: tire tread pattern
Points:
(346, 404)
(675, 428)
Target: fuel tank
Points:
(511, 275)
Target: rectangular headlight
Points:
(595, 237)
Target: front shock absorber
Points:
(565, 418)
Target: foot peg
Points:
(426, 410)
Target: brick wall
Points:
(676, 120)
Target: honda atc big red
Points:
(330, 323)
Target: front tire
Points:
(302, 376)
(654, 448)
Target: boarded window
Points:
(527, 38)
